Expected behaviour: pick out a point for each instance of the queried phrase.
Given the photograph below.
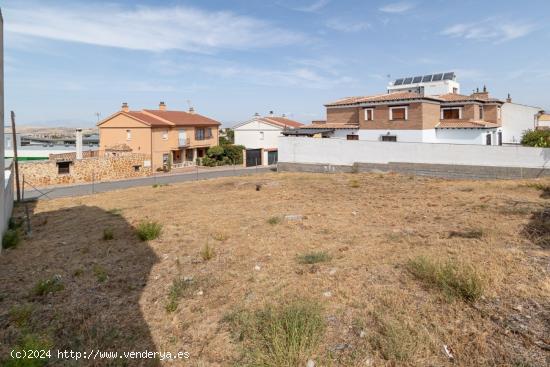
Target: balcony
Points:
(183, 142)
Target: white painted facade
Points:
(516, 119)
(3, 211)
(346, 152)
(445, 136)
(255, 134)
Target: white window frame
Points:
(451, 108)
(371, 113)
(128, 134)
(164, 134)
(399, 107)
(499, 112)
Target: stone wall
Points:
(71, 156)
(44, 173)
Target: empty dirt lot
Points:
(337, 270)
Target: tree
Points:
(536, 138)
(230, 135)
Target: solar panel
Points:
(437, 77)
(448, 76)
(408, 81)
(398, 82)
(417, 79)
(427, 78)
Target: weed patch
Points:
(180, 288)
(274, 220)
(278, 336)
(538, 228)
(30, 342)
(108, 234)
(354, 184)
(100, 273)
(314, 257)
(453, 278)
(148, 230)
(543, 188)
(220, 236)
(207, 252)
(394, 339)
(11, 238)
(21, 314)
(47, 286)
(475, 233)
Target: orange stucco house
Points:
(177, 137)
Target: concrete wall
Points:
(250, 135)
(45, 173)
(446, 136)
(344, 152)
(9, 185)
(516, 118)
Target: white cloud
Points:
(491, 29)
(313, 7)
(146, 28)
(395, 8)
(342, 25)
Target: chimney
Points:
(78, 139)
(256, 114)
(125, 107)
(509, 99)
(270, 113)
(481, 95)
(191, 110)
(284, 115)
(162, 106)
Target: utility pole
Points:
(14, 134)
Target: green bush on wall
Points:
(536, 138)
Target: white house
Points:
(516, 119)
(259, 136)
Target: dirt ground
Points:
(115, 292)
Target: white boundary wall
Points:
(348, 152)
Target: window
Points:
(488, 139)
(199, 134)
(209, 133)
(498, 112)
(164, 134)
(455, 90)
(128, 134)
(369, 114)
(481, 112)
(499, 138)
(398, 113)
(261, 135)
(136, 168)
(64, 167)
(451, 113)
(352, 137)
(389, 138)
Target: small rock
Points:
(188, 279)
(354, 213)
(294, 217)
(257, 268)
(332, 271)
(200, 293)
(339, 347)
(310, 363)
(362, 334)
(327, 294)
(518, 308)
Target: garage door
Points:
(272, 157)
(253, 157)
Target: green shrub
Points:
(21, 314)
(148, 230)
(314, 257)
(209, 162)
(11, 238)
(46, 286)
(536, 138)
(453, 278)
(216, 152)
(234, 153)
(108, 234)
(279, 336)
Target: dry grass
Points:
(377, 307)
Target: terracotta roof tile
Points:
(181, 118)
(386, 97)
(148, 119)
(282, 121)
(465, 124)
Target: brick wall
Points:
(382, 118)
(44, 173)
(343, 115)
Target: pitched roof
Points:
(465, 124)
(453, 97)
(181, 118)
(281, 121)
(386, 97)
(147, 119)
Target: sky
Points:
(69, 62)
